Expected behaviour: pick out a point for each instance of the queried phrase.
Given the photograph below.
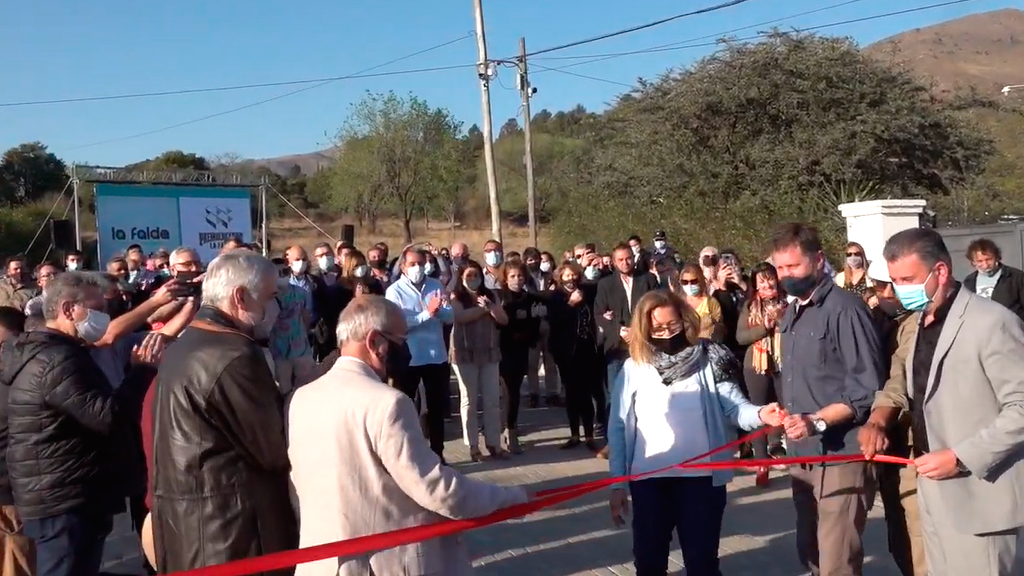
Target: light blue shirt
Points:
(724, 408)
(426, 333)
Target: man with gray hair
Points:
(220, 461)
(351, 484)
(60, 416)
(965, 390)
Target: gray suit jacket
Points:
(361, 465)
(976, 407)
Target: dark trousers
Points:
(832, 505)
(435, 378)
(692, 507)
(69, 544)
(579, 376)
(512, 373)
(762, 389)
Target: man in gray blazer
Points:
(965, 380)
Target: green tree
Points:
(763, 132)
(173, 160)
(391, 148)
(30, 171)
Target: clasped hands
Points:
(796, 426)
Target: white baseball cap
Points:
(879, 270)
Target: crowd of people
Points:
(249, 405)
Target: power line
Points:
(584, 76)
(717, 35)
(357, 75)
(622, 32)
(361, 73)
(669, 48)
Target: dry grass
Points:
(286, 231)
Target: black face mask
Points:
(799, 287)
(378, 264)
(397, 359)
(116, 307)
(891, 307)
(672, 345)
(569, 286)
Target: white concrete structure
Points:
(873, 222)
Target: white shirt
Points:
(670, 427)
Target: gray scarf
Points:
(681, 366)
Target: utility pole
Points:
(483, 70)
(527, 91)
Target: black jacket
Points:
(1008, 291)
(220, 456)
(60, 414)
(611, 297)
(6, 497)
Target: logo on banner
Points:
(219, 219)
(140, 234)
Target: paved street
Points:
(578, 537)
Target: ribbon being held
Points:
(364, 545)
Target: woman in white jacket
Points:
(677, 397)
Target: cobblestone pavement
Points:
(578, 537)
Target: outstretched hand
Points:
(772, 414)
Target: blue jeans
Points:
(69, 544)
(692, 507)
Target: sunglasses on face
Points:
(854, 254)
(693, 282)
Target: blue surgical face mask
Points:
(493, 258)
(691, 289)
(913, 297)
(591, 273)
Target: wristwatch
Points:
(819, 425)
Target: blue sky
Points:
(73, 48)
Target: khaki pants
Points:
(832, 504)
(897, 486)
(19, 553)
(482, 380)
(294, 373)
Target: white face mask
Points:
(263, 329)
(72, 266)
(361, 271)
(591, 273)
(299, 266)
(93, 326)
(325, 262)
(429, 268)
(414, 274)
(691, 289)
(253, 320)
(635, 249)
(659, 244)
(545, 266)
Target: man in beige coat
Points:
(360, 463)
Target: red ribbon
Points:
(365, 545)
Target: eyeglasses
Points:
(854, 254)
(691, 282)
(666, 329)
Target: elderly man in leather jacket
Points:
(61, 414)
(220, 457)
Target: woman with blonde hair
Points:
(854, 277)
(355, 275)
(676, 398)
(691, 286)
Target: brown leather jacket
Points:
(220, 459)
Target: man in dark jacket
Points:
(60, 415)
(992, 279)
(220, 459)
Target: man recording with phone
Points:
(186, 269)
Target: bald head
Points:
(297, 258)
(459, 251)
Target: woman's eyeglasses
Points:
(854, 254)
(690, 282)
